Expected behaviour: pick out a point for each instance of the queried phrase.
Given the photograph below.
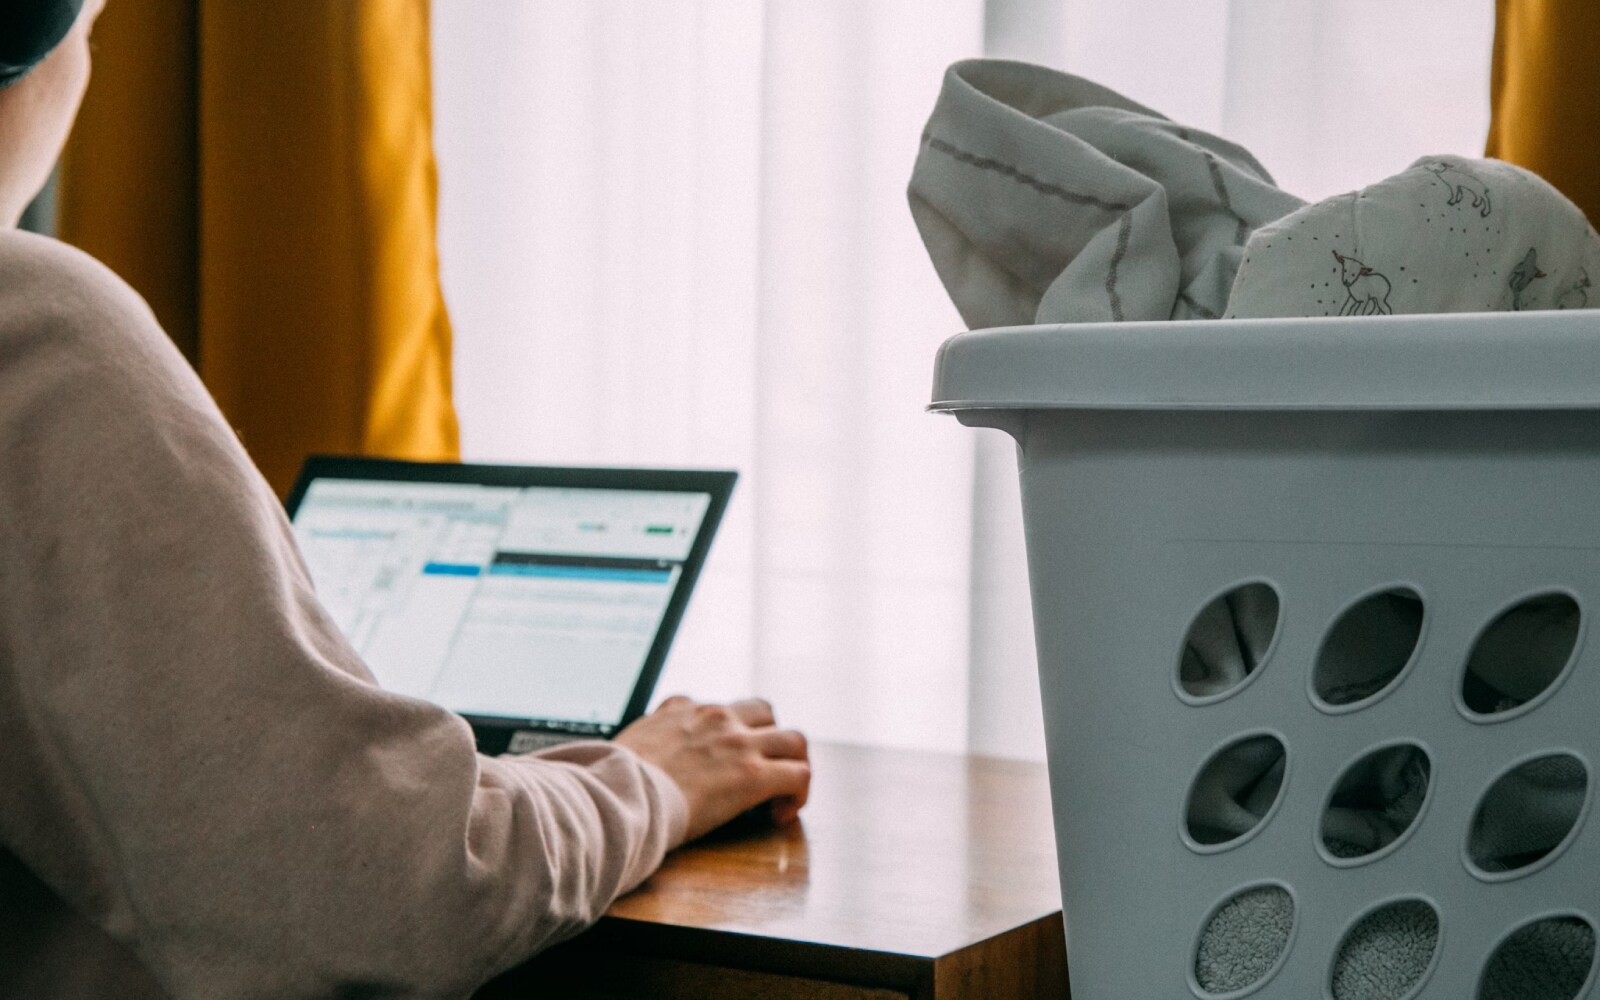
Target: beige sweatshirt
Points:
(202, 792)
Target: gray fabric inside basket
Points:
(1386, 953)
(1228, 640)
(1520, 654)
(1527, 812)
(1524, 816)
(1243, 940)
(1547, 960)
(1235, 790)
(1376, 801)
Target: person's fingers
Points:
(780, 743)
(753, 712)
(787, 779)
(677, 700)
(784, 810)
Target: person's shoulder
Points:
(46, 271)
(47, 283)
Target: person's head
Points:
(44, 68)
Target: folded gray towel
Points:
(1384, 956)
(1386, 953)
(1243, 941)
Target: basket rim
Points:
(1458, 361)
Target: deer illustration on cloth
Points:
(1523, 275)
(1368, 290)
(1461, 184)
(1576, 297)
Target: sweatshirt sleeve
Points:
(193, 757)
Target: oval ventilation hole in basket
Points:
(1527, 816)
(1548, 959)
(1245, 941)
(1368, 647)
(1520, 654)
(1387, 953)
(1235, 791)
(1228, 641)
(1375, 802)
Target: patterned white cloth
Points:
(1448, 234)
(1045, 198)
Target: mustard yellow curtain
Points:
(128, 190)
(263, 173)
(1545, 94)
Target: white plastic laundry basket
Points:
(1454, 460)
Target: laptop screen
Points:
(531, 598)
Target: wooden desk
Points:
(911, 875)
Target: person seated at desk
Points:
(202, 791)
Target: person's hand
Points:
(726, 758)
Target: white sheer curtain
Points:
(676, 234)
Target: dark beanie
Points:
(29, 29)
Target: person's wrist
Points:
(674, 803)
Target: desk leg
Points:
(1027, 963)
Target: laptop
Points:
(537, 603)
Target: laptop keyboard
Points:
(528, 740)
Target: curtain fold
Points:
(272, 192)
(1545, 94)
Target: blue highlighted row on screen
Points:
(582, 572)
(561, 572)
